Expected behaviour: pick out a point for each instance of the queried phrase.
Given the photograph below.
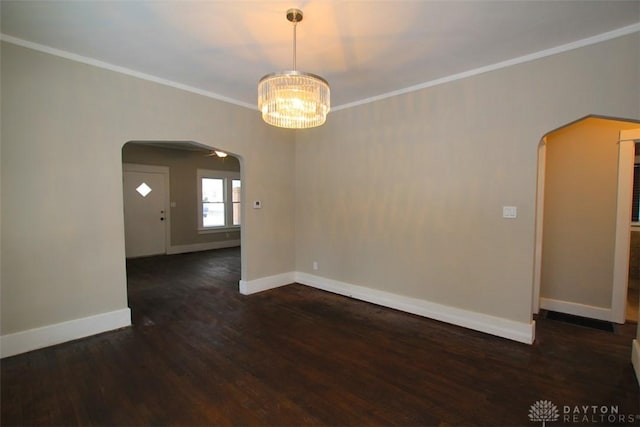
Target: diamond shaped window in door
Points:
(143, 189)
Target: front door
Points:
(144, 213)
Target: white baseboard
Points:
(576, 309)
(248, 287)
(33, 339)
(197, 247)
(635, 358)
(517, 331)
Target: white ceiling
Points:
(364, 49)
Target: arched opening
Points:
(182, 210)
(583, 226)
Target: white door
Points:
(144, 213)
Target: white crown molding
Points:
(33, 339)
(504, 64)
(620, 32)
(122, 70)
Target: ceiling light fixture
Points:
(293, 99)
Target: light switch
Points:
(509, 212)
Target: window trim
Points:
(227, 177)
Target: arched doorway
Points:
(201, 210)
(582, 234)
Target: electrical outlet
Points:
(315, 265)
(509, 212)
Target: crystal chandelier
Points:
(293, 99)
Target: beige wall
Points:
(63, 128)
(581, 183)
(183, 166)
(405, 194)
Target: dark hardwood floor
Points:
(199, 353)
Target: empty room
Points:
(417, 213)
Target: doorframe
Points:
(626, 160)
(626, 157)
(164, 171)
(537, 256)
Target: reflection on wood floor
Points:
(199, 353)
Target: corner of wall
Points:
(504, 328)
(248, 287)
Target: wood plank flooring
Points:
(199, 353)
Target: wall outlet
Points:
(257, 204)
(509, 212)
(315, 265)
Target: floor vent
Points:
(580, 321)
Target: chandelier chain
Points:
(295, 25)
